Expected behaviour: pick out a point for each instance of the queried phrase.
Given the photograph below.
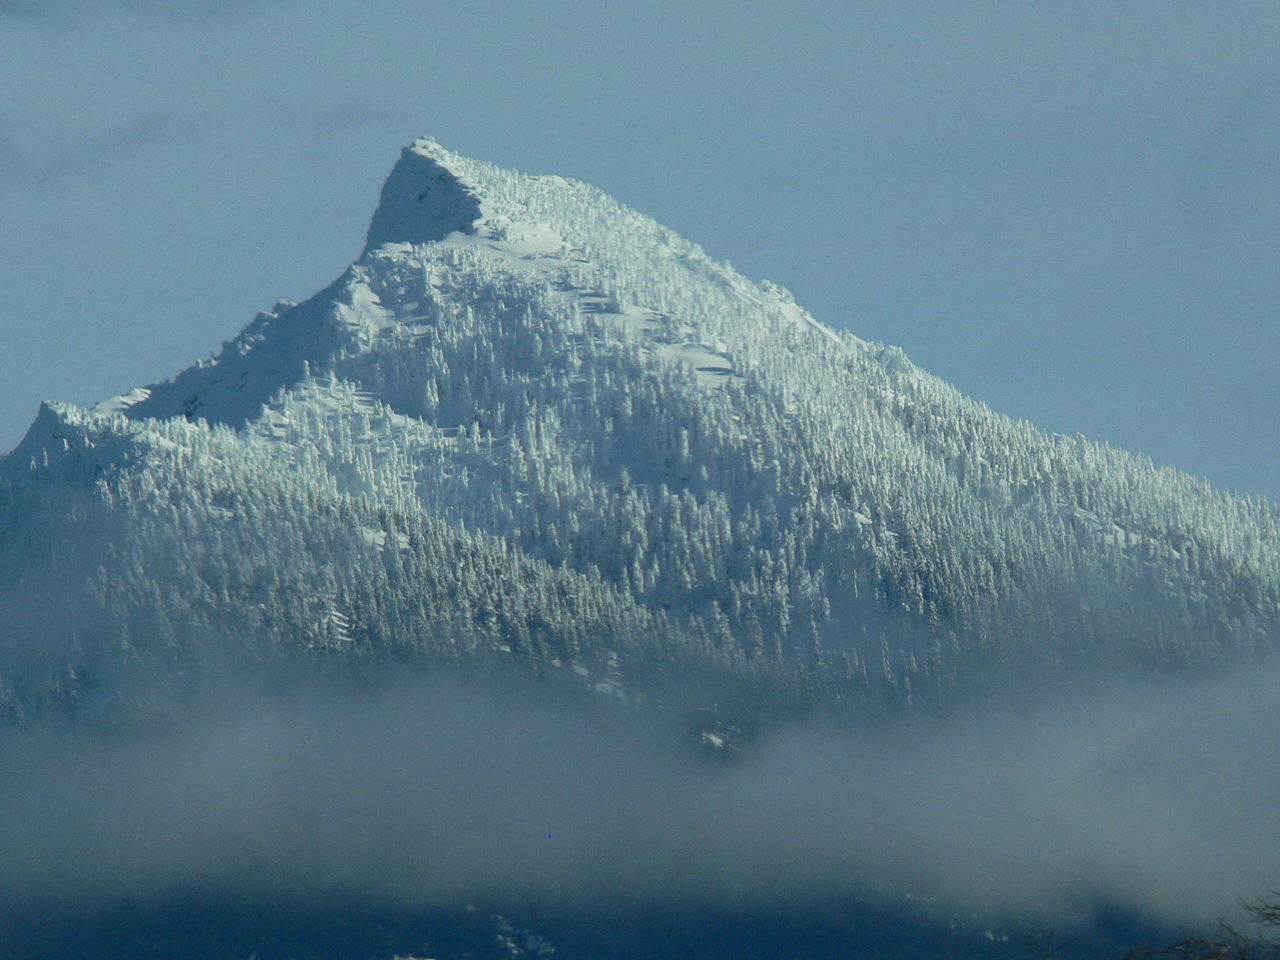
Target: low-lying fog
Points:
(1163, 799)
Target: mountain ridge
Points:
(524, 364)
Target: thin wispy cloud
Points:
(87, 153)
(326, 119)
(66, 12)
(65, 154)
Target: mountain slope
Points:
(532, 422)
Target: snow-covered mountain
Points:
(531, 424)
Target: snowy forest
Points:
(532, 426)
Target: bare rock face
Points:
(424, 200)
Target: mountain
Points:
(532, 426)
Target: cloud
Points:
(1235, 186)
(62, 12)
(1161, 800)
(63, 155)
(86, 154)
(328, 119)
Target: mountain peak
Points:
(427, 197)
(524, 360)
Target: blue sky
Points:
(1070, 211)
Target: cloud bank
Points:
(1166, 801)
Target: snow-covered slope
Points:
(532, 422)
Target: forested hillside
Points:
(533, 425)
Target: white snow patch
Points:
(123, 402)
(365, 312)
